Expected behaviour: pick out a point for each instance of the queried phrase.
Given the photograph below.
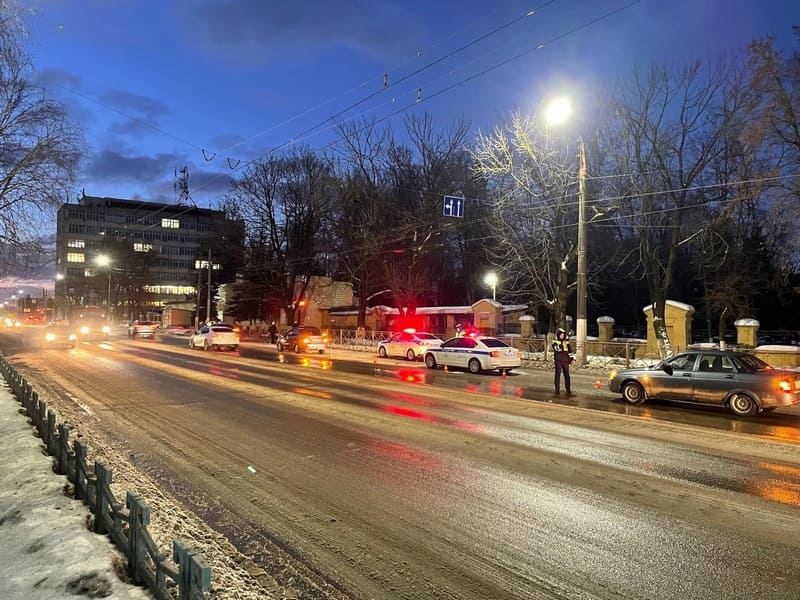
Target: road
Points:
(356, 479)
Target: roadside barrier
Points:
(146, 565)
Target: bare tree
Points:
(38, 149)
(532, 185)
(670, 128)
(284, 201)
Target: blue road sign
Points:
(453, 206)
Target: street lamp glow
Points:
(558, 111)
(491, 281)
(102, 260)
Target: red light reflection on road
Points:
(472, 387)
(407, 398)
(405, 454)
(411, 376)
(230, 374)
(407, 412)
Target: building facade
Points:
(132, 258)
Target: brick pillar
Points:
(747, 332)
(605, 326)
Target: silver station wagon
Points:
(744, 383)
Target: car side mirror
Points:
(667, 369)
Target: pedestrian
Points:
(273, 332)
(562, 355)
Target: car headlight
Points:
(106, 329)
(72, 337)
(50, 337)
(84, 330)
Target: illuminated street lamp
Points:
(104, 260)
(558, 112)
(491, 281)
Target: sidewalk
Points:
(47, 553)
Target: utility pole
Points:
(208, 299)
(580, 332)
(198, 265)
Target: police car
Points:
(475, 353)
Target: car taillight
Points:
(785, 385)
(236, 330)
(325, 338)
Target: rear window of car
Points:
(221, 328)
(310, 330)
(426, 336)
(144, 322)
(493, 343)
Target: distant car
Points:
(300, 339)
(742, 382)
(475, 353)
(59, 336)
(215, 336)
(142, 329)
(409, 343)
(93, 330)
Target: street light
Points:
(103, 260)
(491, 281)
(557, 112)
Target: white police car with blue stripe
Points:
(474, 353)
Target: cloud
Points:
(134, 105)
(110, 165)
(253, 30)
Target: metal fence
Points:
(126, 525)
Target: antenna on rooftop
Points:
(182, 186)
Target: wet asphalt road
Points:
(391, 481)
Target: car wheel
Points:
(430, 361)
(382, 352)
(206, 345)
(411, 355)
(191, 344)
(742, 405)
(474, 366)
(633, 393)
(297, 348)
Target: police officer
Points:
(459, 330)
(562, 354)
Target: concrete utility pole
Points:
(208, 299)
(580, 332)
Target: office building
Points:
(135, 257)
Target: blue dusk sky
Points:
(213, 85)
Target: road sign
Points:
(453, 206)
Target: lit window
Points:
(170, 223)
(76, 244)
(76, 257)
(140, 247)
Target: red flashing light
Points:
(409, 330)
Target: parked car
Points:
(409, 343)
(742, 382)
(475, 353)
(215, 336)
(93, 330)
(142, 329)
(59, 336)
(300, 339)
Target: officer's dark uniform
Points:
(563, 358)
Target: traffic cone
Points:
(445, 368)
(597, 384)
(503, 376)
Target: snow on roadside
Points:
(231, 575)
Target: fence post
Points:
(81, 482)
(104, 475)
(63, 449)
(52, 448)
(138, 520)
(194, 575)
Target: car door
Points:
(678, 385)
(392, 347)
(448, 354)
(466, 350)
(714, 378)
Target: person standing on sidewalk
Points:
(562, 355)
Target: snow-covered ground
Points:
(47, 551)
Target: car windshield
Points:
(747, 362)
(493, 343)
